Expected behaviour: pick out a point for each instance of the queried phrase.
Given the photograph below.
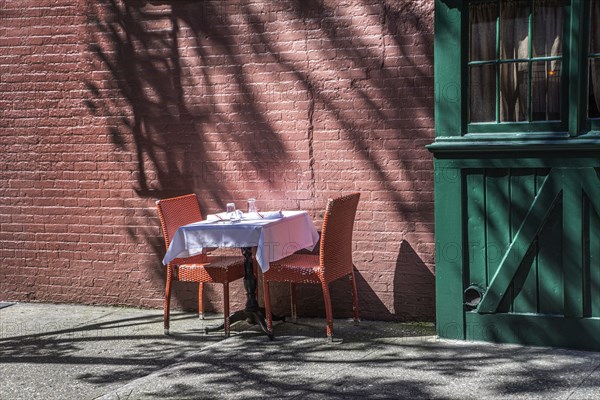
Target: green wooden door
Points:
(535, 250)
(530, 239)
(517, 160)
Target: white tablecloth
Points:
(274, 239)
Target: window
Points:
(515, 61)
(594, 62)
(525, 71)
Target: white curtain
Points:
(482, 80)
(548, 28)
(547, 41)
(514, 44)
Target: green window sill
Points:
(516, 142)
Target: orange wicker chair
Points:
(333, 262)
(201, 268)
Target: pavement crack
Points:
(582, 381)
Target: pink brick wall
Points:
(106, 107)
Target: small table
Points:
(273, 238)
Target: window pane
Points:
(594, 64)
(514, 35)
(545, 86)
(513, 92)
(548, 28)
(595, 27)
(594, 89)
(482, 85)
(482, 19)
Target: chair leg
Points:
(293, 301)
(167, 303)
(201, 300)
(226, 307)
(328, 310)
(354, 297)
(267, 298)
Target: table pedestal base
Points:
(252, 313)
(254, 317)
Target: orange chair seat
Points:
(201, 268)
(297, 268)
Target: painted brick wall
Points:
(107, 106)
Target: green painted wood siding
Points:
(498, 201)
(529, 236)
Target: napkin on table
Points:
(264, 215)
(217, 217)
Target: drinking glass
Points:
(230, 210)
(252, 205)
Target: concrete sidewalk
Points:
(50, 351)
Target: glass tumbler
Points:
(252, 205)
(230, 210)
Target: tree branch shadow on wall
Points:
(166, 124)
(147, 113)
(170, 119)
(411, 292)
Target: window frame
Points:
(530, 126)
(591, 124)
(452, 77)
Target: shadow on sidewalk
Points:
(121, 353)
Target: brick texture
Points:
(106, 106)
